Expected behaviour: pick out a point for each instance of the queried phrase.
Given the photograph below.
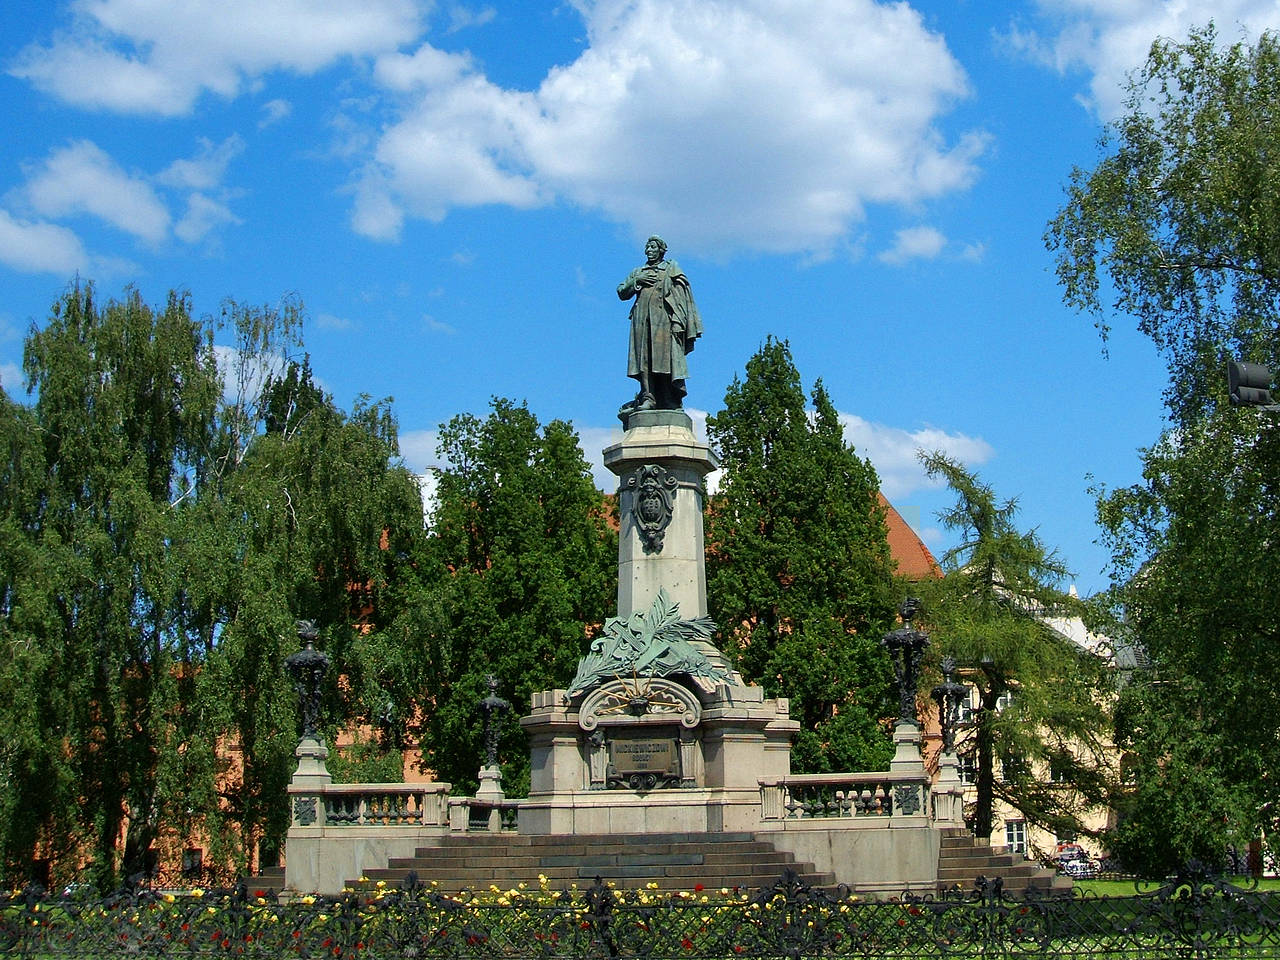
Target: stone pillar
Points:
(660, 469)
(948, 794)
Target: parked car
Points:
(1066, 852)
(1084, 869)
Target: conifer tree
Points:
(1042, 739)
(520, 565)
(799, 575)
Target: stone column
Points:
(660, 469)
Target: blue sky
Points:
(455, 189)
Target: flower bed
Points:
(1203, 920)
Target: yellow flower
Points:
(308, 899)
(197, 892)
(168, 897)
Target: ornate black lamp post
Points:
(493, 707)
(307, 667)
(948, 695)
(906, 647)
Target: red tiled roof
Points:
(908, 550)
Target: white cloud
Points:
(418, 448)
(81, 179)
(11, 379)
(273, 111)
(40, 247)
(437, 326)
(203, 216)
(914, 243)
(753, 125)
(207, 168)
(1110, 38)
(893, 451)
(328, 321)
(157, 57)
(593, 441)
(461, 17)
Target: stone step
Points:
(672, 861)
(961, 860)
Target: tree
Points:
(125, 397)
(521, 564)
(1193, 546)
(1182, 214)
(317, 520)
(159, 541)
(799, 575)
(1044, 709)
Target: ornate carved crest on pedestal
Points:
(654, 492)
(628, 700)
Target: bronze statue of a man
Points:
(664, 326)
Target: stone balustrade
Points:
(372, 805)
(868, 796)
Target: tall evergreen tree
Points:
(521, 564)
(799, 575)
(1044, 714)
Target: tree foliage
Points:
(1193, 546)
(160, 538)
(991, 612)
(1182, 213)
(520, 564)
(1181, 217)
(799, 574)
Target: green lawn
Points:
(1125, 888)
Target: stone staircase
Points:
(672, 861)
(961, 860)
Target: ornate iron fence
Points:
(1194, 916)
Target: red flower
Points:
(698, 887)
(226, 943)
(259, 893)
(737, 948)
(687, 943)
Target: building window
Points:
(1015, 835)
(968, 770)
(1015, 767)
(1004, 701)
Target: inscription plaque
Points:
(643, 764)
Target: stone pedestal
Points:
(906, 743)
(660, 469)
(948, 794)
(722, 745)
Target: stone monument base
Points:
(653, 756)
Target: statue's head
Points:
(655, 244)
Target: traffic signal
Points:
(1250, 385)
